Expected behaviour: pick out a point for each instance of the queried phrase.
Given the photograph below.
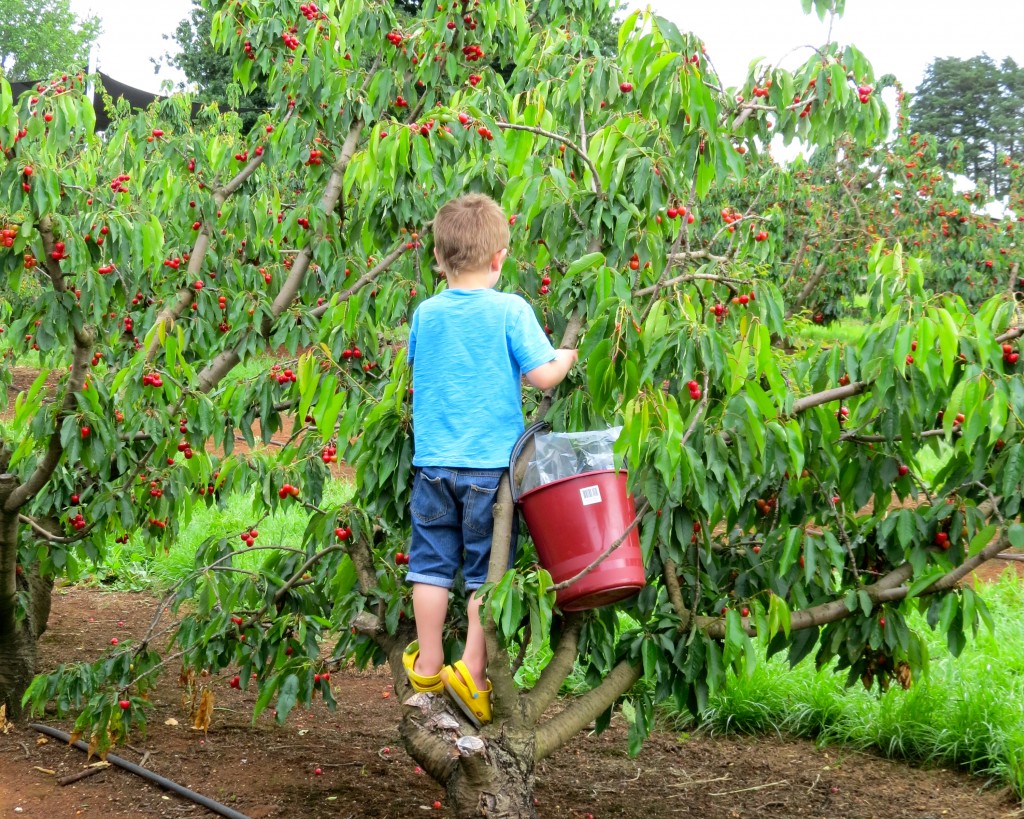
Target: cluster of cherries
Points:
(118, 184)
(7, 236)
(288, 490)
(342, 533)
(472, 53)
(311, 12)
(210, 487)
(285, 376)
(290, 39)
(468, 20)
(248, 538)
(315, 157)
(1010, 355)
(185, 449)
(148, 379)
(329, 454)
(694, 388)
(58, 254)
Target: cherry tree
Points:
(768, 483)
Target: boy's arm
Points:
(551, 374)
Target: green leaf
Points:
(287, 697)
(585, 263)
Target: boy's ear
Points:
(498, 259)
(437, 258)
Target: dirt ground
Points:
(268, 770)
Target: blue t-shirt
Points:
(468, 350)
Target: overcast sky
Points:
(898, 36)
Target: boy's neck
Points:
(476, 280)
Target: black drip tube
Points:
(156, 779)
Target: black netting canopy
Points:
(116, 89)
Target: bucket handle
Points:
(517, 450)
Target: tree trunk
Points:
(495, 780)
(17, 638)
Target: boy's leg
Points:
(478, 490)
(434, 553)
(475, 655)
(430, 607)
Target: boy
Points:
(469, 346)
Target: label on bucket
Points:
(590, 495)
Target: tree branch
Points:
(559, 667)
(224, 362)
(596, 184)
(611, 547)
(197, 256)
(395, 252)
(504, 696)
(554, 733)
(45, 468)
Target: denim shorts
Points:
(452, 523)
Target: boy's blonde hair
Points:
(468, 231)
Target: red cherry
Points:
(125, 704)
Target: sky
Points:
(898, 36)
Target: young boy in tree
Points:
(469, 347)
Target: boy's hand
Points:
(551, 374)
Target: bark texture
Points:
(496, 780)
(17, 640)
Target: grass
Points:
(136, 568)
(848, 331)
(967, 711)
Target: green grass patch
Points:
(847, 331)
(136, 568)
(967, 711)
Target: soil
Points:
(266, 770)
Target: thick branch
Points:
(366, 278)
(828, 396)
(503, 700)
(226, 361)
(691, 277)
(554, 733)
(429, 750)
(186, 294)
(808, 288)
(300, 264)
(558, 669)
(675, 594)
(45, 468)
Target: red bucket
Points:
(572, 522)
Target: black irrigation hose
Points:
(156, 779)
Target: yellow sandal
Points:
(419, 682)
(475, 703)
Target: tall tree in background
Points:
(43, 37)
(977, 103)
(208, 70)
